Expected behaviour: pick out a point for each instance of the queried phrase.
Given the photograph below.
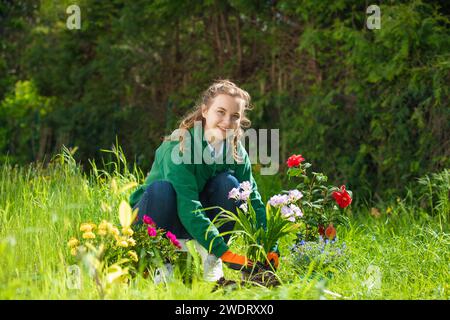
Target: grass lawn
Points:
(403, 254)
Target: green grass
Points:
(41, 208)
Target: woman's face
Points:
(222, 118)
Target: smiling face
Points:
(222, 118)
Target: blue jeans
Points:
(159, 202)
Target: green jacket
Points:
(188, 180)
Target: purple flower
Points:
(287, 211)
(295, 195)
(296, 210)
(279, 200)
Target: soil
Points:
(261, 276)
(223, 283)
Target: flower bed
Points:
(117, 253)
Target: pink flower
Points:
(171, 236)
(246, 186)
(173, 239)
(151, 232)
(234, 194)
(245, 194)
(148, 220)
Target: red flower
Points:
(294, 160)
(330, 232)
(342, 197)
(321, 230)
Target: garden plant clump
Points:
(304, 211)
(117, 254)
(323, 209)
(320, 255)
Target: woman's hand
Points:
(235, 261)
(273, 259)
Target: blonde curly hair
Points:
(222, 86)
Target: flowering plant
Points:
(155, 246)
(257, 241)
(122, 251)
(322, 254)
(319, 202)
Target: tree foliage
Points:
(368, 107)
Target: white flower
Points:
(234, 194)
(244, 207)
(245, 194)
(246, 186)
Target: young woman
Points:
(195, 168)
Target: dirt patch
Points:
(260, 277)
(224, 283)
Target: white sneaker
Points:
(212, 266)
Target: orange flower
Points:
(330, 232)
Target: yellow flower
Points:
(74, 251)
(388, 210)
(103, 225)
(114, 231)
(103, 228)
(87, 227)
(109, 226)
(88, 235)
(122, 243)
(127, 231)
(131, 242)
(73, 242)
(133, 255)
